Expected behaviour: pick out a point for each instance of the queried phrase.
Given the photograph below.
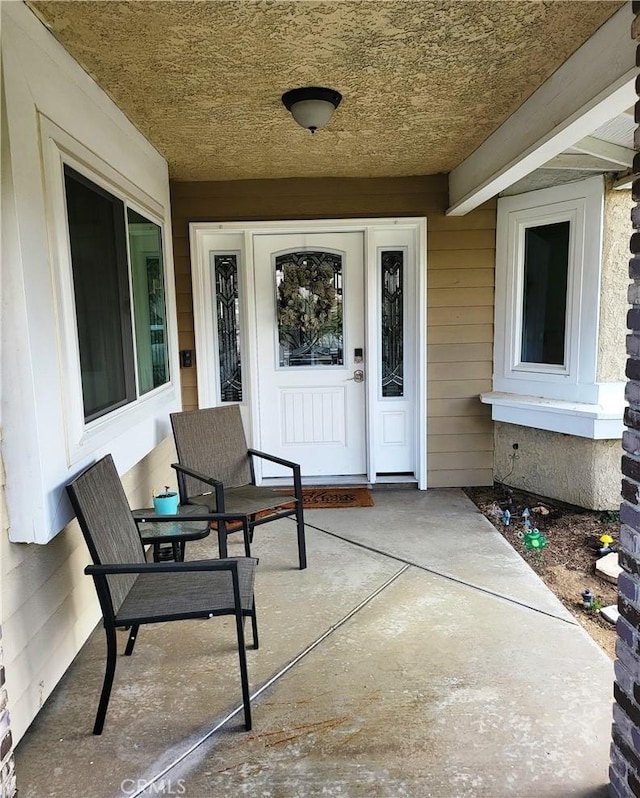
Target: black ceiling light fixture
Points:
(313, 106)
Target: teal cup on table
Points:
(166, 503)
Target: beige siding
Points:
(455, 442)
(460, 280)
(49, 606)
(463, 259)
(461, 328)
(449, 371)
(467, 407)
(478, 299)
(459, 426)
(454, 353)
(459, 316)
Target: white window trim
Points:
(566, 398)
(519, 223)
(599, 422)
(84, 438)
(581, 203)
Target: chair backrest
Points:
(107, 524)
(212, 441)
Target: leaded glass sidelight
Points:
(309, 309)
(392, 264)
(225, 274)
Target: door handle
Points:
(358, 376)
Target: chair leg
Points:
(254, 626)
(246, 537)
(244, 675)
(222, 540)
(302, 545)
(109, 672)
(133, 635)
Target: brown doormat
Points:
(318, 498)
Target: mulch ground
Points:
(567, 563)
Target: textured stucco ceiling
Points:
(424, 83)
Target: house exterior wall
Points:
(55, 112)
(48, 606)
(580, 470)
(576, 470)
(460, 279)
(614, 284)
(7, 763)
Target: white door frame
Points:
(238, 236)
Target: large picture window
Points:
(119, 294)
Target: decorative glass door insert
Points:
(392, 323)
(309, 309)
(225, 274)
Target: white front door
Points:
(309, 304)
(284, 339)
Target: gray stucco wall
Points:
(612, 330)
(576, 470)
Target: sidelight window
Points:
(392, 317)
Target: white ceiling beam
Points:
(582, 162)
(593, 85)
(614, 153)
(625, 181)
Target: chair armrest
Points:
(274, 459)
(190, 472)
(229, 564)
(140, 517)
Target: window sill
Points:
(599, 422)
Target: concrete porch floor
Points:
(418, 655)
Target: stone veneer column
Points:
(624, 772)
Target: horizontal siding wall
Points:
(7, 761)
(49, 606)
(460, 279)
(460, 297)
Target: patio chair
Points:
(133, 592)
(213, 453)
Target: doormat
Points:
(318, 498)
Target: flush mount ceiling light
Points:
(312, 107)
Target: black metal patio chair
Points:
(213, 454)
(133, 592)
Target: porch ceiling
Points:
(424, 83)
